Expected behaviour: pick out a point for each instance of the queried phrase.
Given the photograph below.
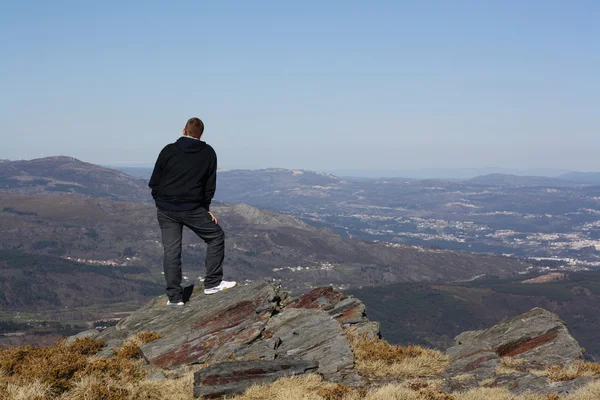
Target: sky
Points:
(319, 85)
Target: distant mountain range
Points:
(504, 180)
(539, 176)
(446, 173)
(569, 179)
(67, 175)
(582, 177)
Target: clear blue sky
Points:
(320, 85)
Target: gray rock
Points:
(249, 323)
(91, 333)
(234, 377)
(542, 386)
(369, 329)
(206, 328)
(473, 361)
(466, 337)
(537, 338)
(307, 334)
(156, 376)
(347, 310)
(537, 335)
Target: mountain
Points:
(505, 180)
(66, 175)
(138, 172)
(274, 188)
(444, 173)
(592, 178)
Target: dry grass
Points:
(496, 394)
(32, 391)
(53, 367)
(341, 392)
(30, 372)
(376, 357)
(131, 348)
(510, 365)
(94, 388)
(462, 378)
(311, 387)
(304, 387)
(572, 371)
(589, 392)
(71, 372)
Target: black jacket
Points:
(185, 176)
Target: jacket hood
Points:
(190, 145)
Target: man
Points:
(183, 184)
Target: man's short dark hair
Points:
(194, 128)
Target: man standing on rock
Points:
(183, 184)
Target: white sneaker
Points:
(175, 304)
(224, 285)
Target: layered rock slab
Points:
(250, 323)
(231, 378)
(306, 335)
(537, 335)
(349, 311)
(206, 328)
(536, 340)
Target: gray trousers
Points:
(200, 222)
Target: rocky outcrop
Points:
(349, 311)
(536, 336)
(257, 333)
(531, 341)
(257, 322)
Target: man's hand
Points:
(215, 220)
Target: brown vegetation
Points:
(49, 372)
(575, 370)
(376, 357)
(73, 372)
(311, 387)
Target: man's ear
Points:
(183, 131)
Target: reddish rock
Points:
(346, 309)
(321, 298)
(248, 323)
(524, 345)
(538, 338)
(207, 328)
(232, 378)
(537, 335)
